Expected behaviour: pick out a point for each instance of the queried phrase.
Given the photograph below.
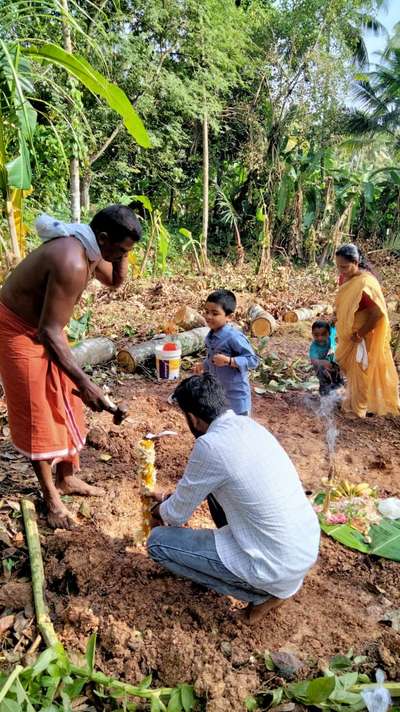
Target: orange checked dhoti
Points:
(46, 420)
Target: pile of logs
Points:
(304, 314)
(134, 355)
(93, 352)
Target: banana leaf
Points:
(385, 538)
(98, 84)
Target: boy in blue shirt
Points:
(229, 353)
(322, 357)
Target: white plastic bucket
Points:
(168, 361)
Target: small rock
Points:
(6, 622)
(85, 510)
(286, 664)
(392, 618)
(226, 648)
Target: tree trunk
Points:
(171, 204)
(135, 355)
(298, 223)
(204, 242)
(74, 187)
(239, 247)
(12, 229)
(262, 323)
(92, 352)
(265, 259)
(148, 249)
(75, 200)
(86, 180)
(187, 318)
(304, 313)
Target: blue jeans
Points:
(192, 554)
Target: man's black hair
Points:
(225, 299)
(319, 324)
(119, 222)
(201, 395)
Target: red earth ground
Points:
(147, 620)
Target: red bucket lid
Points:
(170, 346)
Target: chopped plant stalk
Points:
(332, 692)
(147, 474)
(278, 375)
(10, 681)
(37, 572)
(113, 684)
(53, 683)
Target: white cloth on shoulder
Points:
(48, 228)
(362, 355)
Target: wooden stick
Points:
(37, 573)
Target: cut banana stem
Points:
(147, 476)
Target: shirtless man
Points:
(43, 383)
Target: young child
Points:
(229, 353)
(322, 357)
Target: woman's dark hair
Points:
(119, 222)
(351, 253)
(201, 395)
(225, 299)
(319, 324)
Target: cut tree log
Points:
(187, 318)
(135, 355)
(37, 573)
(305, 313)
(92, 352)
(262, 323)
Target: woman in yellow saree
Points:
(363, 350)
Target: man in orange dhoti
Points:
(43, 383)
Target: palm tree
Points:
(378, 95)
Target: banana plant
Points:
(18, 117)
(17, 125)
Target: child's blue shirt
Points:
(320, 352)
(232, 342)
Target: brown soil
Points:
(150, 622)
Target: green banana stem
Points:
(101, 679)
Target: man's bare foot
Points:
(73, 485)
(59, 517)
(252, 614)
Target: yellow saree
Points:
(374, 389)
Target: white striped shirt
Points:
(272, 536)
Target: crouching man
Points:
(267, 533)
